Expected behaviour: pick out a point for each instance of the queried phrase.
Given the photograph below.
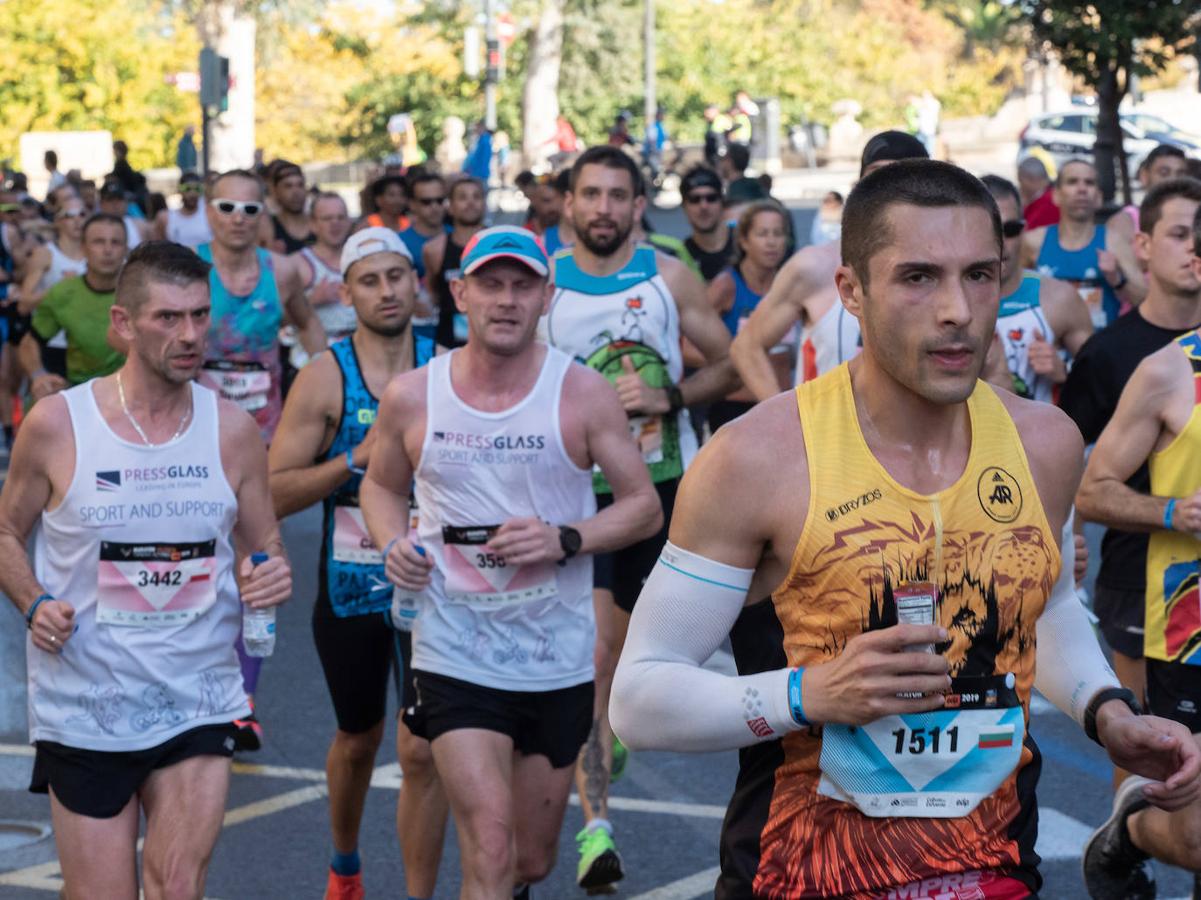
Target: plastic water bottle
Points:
(258, 625)
(406, 605)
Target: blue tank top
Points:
(552, 241)
(1079, 268)
(745, 300)
(352, 577)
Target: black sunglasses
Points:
(703, 198)
(430, 201)
(1013, 228)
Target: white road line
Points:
(697, 885)
(275, 804)
(630, 804)
(16, 750)
(298, 774)
(1060, 836)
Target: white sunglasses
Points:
(249, 208)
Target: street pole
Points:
(492, 66)
(650, 106)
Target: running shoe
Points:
(249, 736)
(621, 756)
(1115, 869)
(344, 887)
(600, 863)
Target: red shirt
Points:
(1042, 210)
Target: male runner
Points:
(331, 227)
(126, 584)
(1143, 476)
(253, 290)
(288, 230)
(1099, 264)
(321, 448)
(804, 292)
(621, 308)
(909, 539)
(501, 437)
(1038, 316)
(428, 209)
(78, 308)
(442, 254)
(1099, 374)
(1163, 163)
(711, 240)
(558, 235)
(115, 202)
(188, 225)
(546, 205)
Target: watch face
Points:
(570, 540)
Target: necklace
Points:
(138, 428)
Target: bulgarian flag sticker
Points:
(996, 737)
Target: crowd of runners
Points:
(563, 461)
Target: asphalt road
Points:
(667, 808)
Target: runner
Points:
(289, 229)
(128, 584)
(1100, 265)
(621, 308)
(559, 235)
(908, 536)
(78, 309)
(1039, 316)
(503, 430)
(1164, 163)
(1154, 428)
(51, 263)
(331, 227)
(1142, 460)
(115, 202)
(546, 204)
(443, 253)
(763, 236)
(390, 195)
(322, 445)
(428, 206)
(252, 290)
(711, 239)
(188, 225)
(804, 292)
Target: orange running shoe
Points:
(344, 887)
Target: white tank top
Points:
(191, 231)
(526, 628)
(337, 318)
(61, 267)
(602, 321)
(1018, 318)
(140, 546)
(133, 236)
(827, 343)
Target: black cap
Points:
(891, 145)
(699, 176)
(111, 189)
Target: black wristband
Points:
(675, 399)
(1102, 697)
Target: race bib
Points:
(247, 384)
(936, 765)
(648, 435)
(1094, 299)
(352, 543)
(155, 585)
(485, 581)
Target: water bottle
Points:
(258, 625)
(406, 605)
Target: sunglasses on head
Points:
(1013, 228)
(70, 214)
(706, 197)
(430, 201)
(250, 208)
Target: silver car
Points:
(1072, 134)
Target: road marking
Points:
(298, 774)
(1060, 836)
(630, 804)
(275, 804)
(16, 749)
(697, 885)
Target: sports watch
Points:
(570, 540)
(1102, 697)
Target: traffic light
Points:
(214, 81)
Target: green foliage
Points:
(84, 65)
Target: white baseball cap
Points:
(370, 241)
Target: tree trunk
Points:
(1108, 148)
(540, 95)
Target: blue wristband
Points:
(1167, 514)
(351, 467)
(795, 706)
(42, 598)
(388, 547)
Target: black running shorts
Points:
(99, 783)
(554, 724)
(1120, 618)
(1174, 692)
(625, 571)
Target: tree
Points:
(1105, 42)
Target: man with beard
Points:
(289, 230)
(427, 213)
(443, 253)
(188, 225)
(711, 241)
(114, 604)
(321, 449)
(621, 308)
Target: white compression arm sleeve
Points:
(1070, 667)
(662, 697)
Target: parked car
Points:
(1072, 134)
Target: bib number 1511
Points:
(922, 740)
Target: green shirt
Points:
(81, 312)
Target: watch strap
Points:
(1101, 698)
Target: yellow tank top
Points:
(986, 545)
(1173, 616)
